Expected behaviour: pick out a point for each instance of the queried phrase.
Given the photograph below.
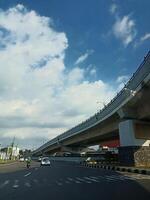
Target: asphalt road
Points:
(70, 182)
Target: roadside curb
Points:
(119, 168)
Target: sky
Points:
(61, 61)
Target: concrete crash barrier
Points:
(118, 168)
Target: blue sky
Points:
(94, 48)
(88, 25)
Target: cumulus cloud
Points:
(124, 29)
(145, 37)
(141, 40)
(113, 8)
(83, 57)
(121, 81)
(40, 98)
(123, 78)
(91, 70)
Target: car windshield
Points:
(45, 159)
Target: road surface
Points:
(68, 181)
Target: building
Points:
(9, 153)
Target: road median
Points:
(145, 171)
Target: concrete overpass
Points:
(126, 117)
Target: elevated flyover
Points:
(125, 118)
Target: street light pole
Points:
(0, 151)
(12, 145)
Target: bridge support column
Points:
(134, 147)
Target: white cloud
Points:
(75, 76)
(113, 8)
(122, 80)
(93, 72)
(124, 29)
(141, 40)
(83, 57)
(145, 37)
(41, 98)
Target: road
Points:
(69, 181)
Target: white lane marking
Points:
(101, 177)
(82, 179)
(73, 180)
(58, 183)
(110, 179)
(67, 182)
(78, 182)
(4, 184)
(27, 174)
(15, 184)
(70, 179)
(117, 178)
(91, 179)
(121, 178)
(27, 184)
(94, 177)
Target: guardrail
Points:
(142, 72)
(68, 159)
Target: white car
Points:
(45, 161)
(21, 159)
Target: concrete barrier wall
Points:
(68, 159)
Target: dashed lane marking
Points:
(70, 179)
(15, 184)
(91, 179)
(27, 184)
(4, 184)
(96, 178)
(73, 180)
(83, 180)
(27, 174)
(58, 183)
(67, 182)
(78, 182)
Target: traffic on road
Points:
(68, 180)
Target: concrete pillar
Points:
(134, 143)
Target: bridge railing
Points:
(142, 72)
(133, 83)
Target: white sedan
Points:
(21, 159)
(45, 161)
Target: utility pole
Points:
(12, 145)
